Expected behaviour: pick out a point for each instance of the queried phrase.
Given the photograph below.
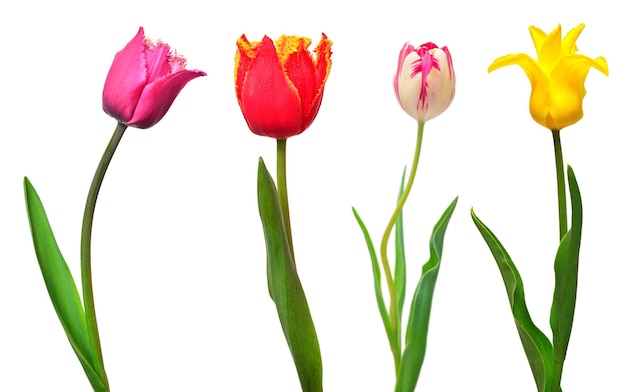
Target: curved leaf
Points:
(566, 276)
(60, 283)
(285, 288)
(536, 345)
(419, 316)
(384, 314)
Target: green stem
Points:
(560, 183)
(556, 376)
(281, 169)
(393, 311)
(85, 250)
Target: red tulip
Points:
(143, 82)
(280, 88)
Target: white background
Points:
(178, 250)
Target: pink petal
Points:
(157, 58)
(157, 98)
(125, 80)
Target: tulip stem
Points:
(281, 169)
(560, 183)
(85, 251)
(394, 314)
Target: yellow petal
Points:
(569, 42)
(550, 51)
(567, 88)
(601, 65)
(532, 69)
(538, 37)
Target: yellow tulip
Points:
(557, 77)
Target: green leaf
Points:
(417, 328)
(285, 288)
(384, 314)
(60, 284)
(399, 276)
(536, 345)
(566, 275)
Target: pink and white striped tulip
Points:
(425, 80)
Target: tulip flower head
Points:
(425, 80)
(279, 87)
(557, 77)
(143, 82)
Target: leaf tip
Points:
(28, 187)
(473, 214)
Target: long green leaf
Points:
(384, 314)
(536, 345)
(566, 276)
(419, 316)
(286, 289)
(60, 283)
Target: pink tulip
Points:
(143, 82)
(425, 80)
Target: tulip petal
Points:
(300, 69)
(125, 80)
(425, 64)
(567, 88)
(158, 60)
(410, 87)
(406, 49)
(246, 52)
(550, 51)
(529, 65)
(538, 37)
(441, 84)
(539, 82)
(278, 113)
(158, 97)
(322, 60)
(569, 42)
(322, 70)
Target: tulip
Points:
(425, 80)
(143, 82)
(280, 88)
(557, 77)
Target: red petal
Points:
(125, 80)
(323, 63)
(269, 101)
(301, 71)
(246, 52)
